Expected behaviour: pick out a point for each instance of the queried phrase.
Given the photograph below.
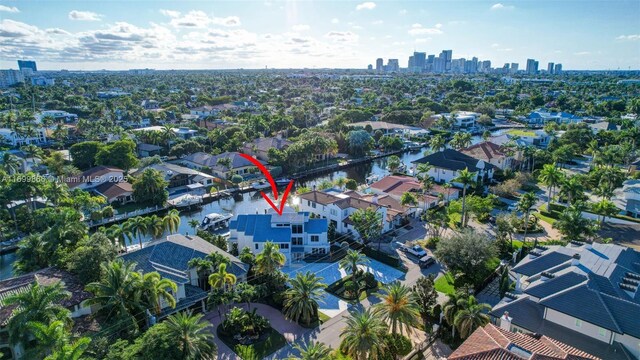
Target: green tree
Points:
(397, 308)
(221, 278)
(351, 184)
(311, 351)
(172, 221)
(138, 227)
(466, 251)
(351, 261)
(301, 300)
(150, 187)
(90, 253)
(551, 176)
(368, 223)
(49, 338)
(525, 204)
(362, 336)
(425, 295)
(72, 351)
(37, 304)
(393, 163)
(437, 143)
(83, 154)
(408, 199)
(471, 316)
(573, 226)
(270, 259)
(466, 178)
(155, 289)
(191, 335)
(606, 208)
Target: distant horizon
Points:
(190, 35)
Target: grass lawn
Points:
(272, 341)
(546, 218)
(322, 318)
(444, 284)
(337, 289)
(520, 132)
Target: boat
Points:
(372, 178)
(186, 200)
(215, 221)
(260, 185)
(283, 182)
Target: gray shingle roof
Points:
(452, 160)
(556, 284)
(542, 263)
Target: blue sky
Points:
(338, 34)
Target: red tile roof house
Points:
(492, 153)
(395, 186)
(493, 343)
(106, 181)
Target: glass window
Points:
(315, 238)
(602, 332)
(284, 246)
(296, 241)
(256, 246)
(296, 229)
(578, 323)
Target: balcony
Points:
(297, 249)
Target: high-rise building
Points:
(446, 56)
(27, 64)
(558, 69)
(369, 67)
(532, 67)
(420, 59)
(514, 68)
(393, 65)
(379, 64)
(10, 77)
(457, 65)
(428, 67)
(412, 62)
(550, 68)
(439, 64)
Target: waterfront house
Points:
(179, 176)
(259, 148)
(583, 294)
(447, 164)
(491, 153)
(297, 234)
(94, 177)
(49, 276)
(543, 116)
(13, 138)
(237, 165)
(395, 186)
(537, 138)
(170, 258)
(115, 192)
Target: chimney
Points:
(375, 199)
(575, 259)
(505, 321)
(588, 245)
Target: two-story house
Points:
(13, 138)
(94, 177)
(491, 153)
(259, 148)
(583, 294)
(338, 208)
(296, 233)
(223, 166)
(396, 185)
(447, 164)
(179, 177)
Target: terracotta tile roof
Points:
(491, 342)
(319, 197)
(484, 151)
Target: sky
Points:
(103, 34)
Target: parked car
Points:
(417, 251)
(426, 261)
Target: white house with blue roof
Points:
(585, 295)
(297, 234)
(170, 258)
(543, 116)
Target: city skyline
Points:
(197, 35)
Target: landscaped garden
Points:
(247, 328)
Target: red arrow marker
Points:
(274, 189)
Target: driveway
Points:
(289, 329)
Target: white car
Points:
(417, 251)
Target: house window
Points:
(315, 238)
(313, 205)
(256, 246)
(308, 203)
(318, 251)
(602, 332)
(284, 246)
(296, 229)
(296, 241)
(333, 212)
(578, 323)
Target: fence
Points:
(120, 217)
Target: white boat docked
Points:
(260, 185)
(186, 200)
(283, 182)
(215, 221)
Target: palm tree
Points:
(301, 300)
(117, 291)
(551, 176)
(453, 305)
(606, 208)
(437, 143)
(194, 224)
(572, 188)
(270, 259)
(11, 163)
(311, 351)
(49, 338)
(71, 351)
(471, 316)
(594, 149)
(527, 201)
(138, 227)
(172, 221)
(154, 289)
(398, 307)
(56, 192)
(222, 278)
(155, 226)
(119, 233)
(37, 304)
(362, 336)
(466, 178)
(351, 261)
(193, 336)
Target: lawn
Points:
(270, 343)
(444, 284)
(322, 318)
(546, 216)
(338, 289)
(520, 132)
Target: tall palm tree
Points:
(193, 336)
(221, 278)
(118, 234)
(398, 307)
(71, 351)
(594, 149)
(37, 304)
(438, 143)
(270, 259)
(194, 224)
(11, 163)
(118, 290)
(471, 316)
(301, 300)
(551, 176)
(572, 188)
(351, 261)
(527, 201)
(362, 336)
(56, 192)
(138, 227)
(466, 178)
(172, 221)
(155, 289)
(155, 226)
(453, 305)
(311, 351)
(605, 208)
(49, 338)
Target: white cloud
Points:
(226, 21)
(418, 29)
(84, 15)
(495, 45)
(422, 40)
(402, 12)
(57, 31)
(629, 37)
(357, 27)
(335, 21)
(301, 27)
(15, 29)
(500, 6)
(366, 6)
(11, 9)
(582, 53)
(377, 22)
(200, 19)
(342, 36)
(170, 13)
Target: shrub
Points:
(108, 212)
